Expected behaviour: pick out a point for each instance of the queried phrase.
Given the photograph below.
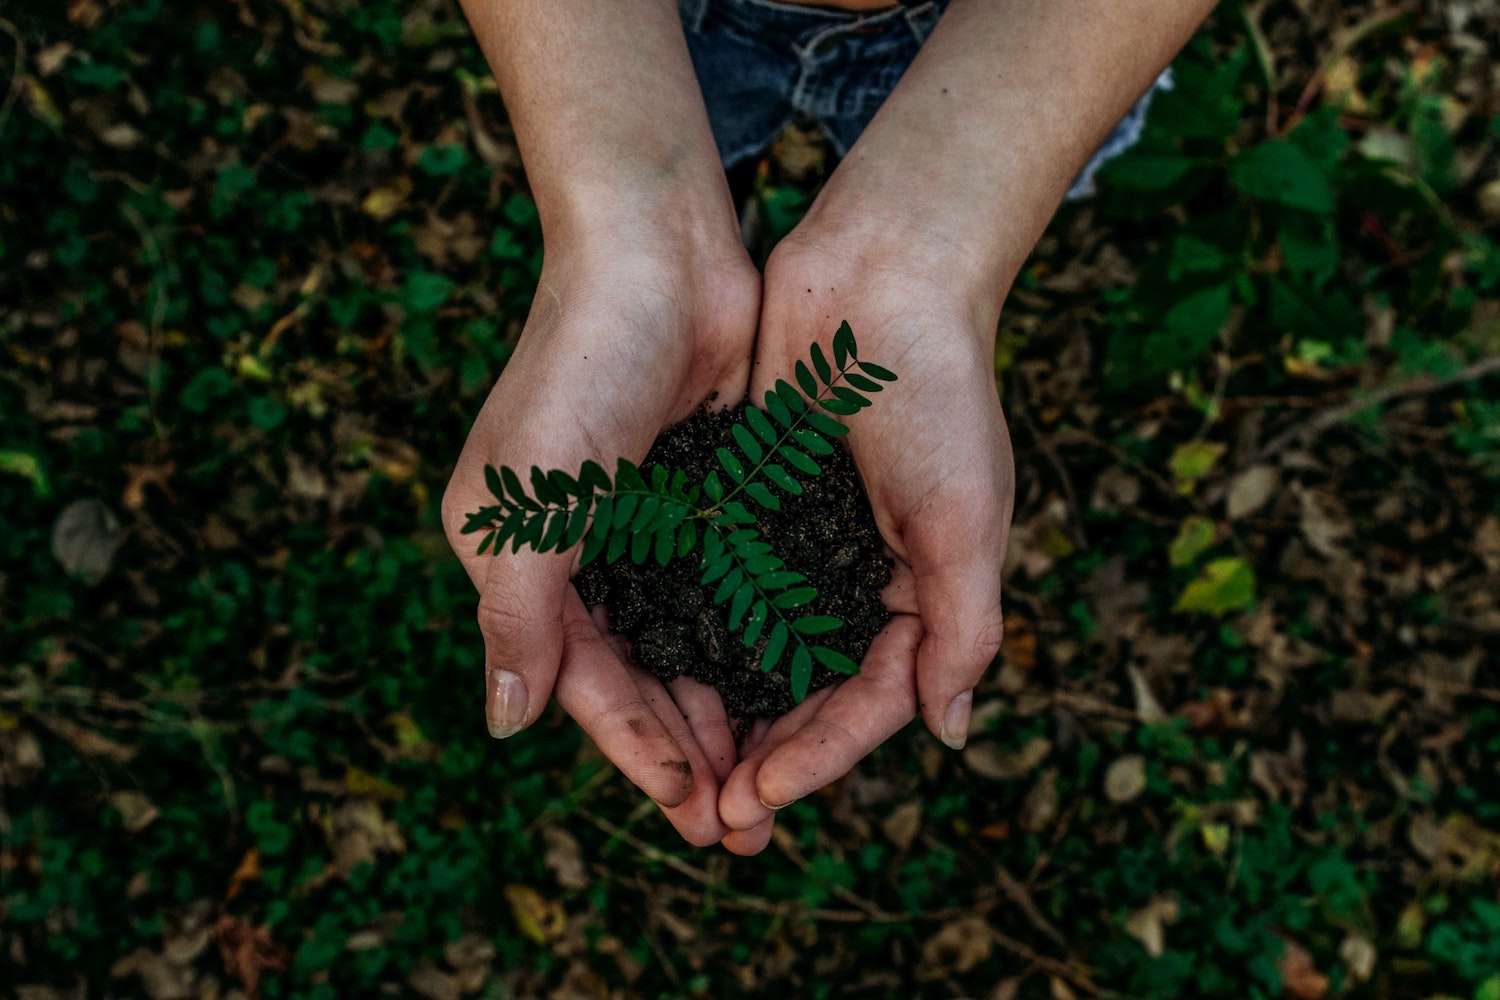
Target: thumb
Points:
(521, 606)
(957, 585)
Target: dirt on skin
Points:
(827, 534)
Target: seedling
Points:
(658, 514)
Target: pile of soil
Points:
(827, 534)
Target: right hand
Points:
(626, 337)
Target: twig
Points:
(1021, 896)
(1050, 450)
(1321, 421)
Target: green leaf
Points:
(687, 537)
(777, 579)
(593, 542)
(778, 410)
(716, 566)
(640, 548)
(542, 488)
(756, 623)
(1225, 585)
(1279, 171)
(875, 371)
(645, 514)
(862, 383)
(844, 347)
(578, 523)
(729, 585)
(731, 464)
(790, 396)
(851, 397)
(592, 476)
(616, 547)
(564, 483)
(666, 541)
(805, 378)
(1191, 461)
(780, 477)
(740, 603)
(556, 526)
(760, 425)
(826, 425)
(816, 624)
(794, 598)
(659, 476)
(801, 673)
(1194, 537)
(624, 510)
(813, 441)
(713, 487)
(735, 513)
(747, 442)
(515, 490)
(493, 481)
(799, 460)
(762, 495)
(774, 646)
(820, 362)
(842, 407)
(484, 543)
(834, 660)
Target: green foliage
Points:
(657, 514)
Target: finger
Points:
(957, 585)
(864, 712)
(521, 619)
(696, 818)
(739, 801)
(600, 694)
(703, 710)
(749, 842)
(755, 737)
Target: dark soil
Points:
(827, 534)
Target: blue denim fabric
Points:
(762, 63)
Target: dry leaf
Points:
(989, 761)
(1146, 705)
(1148, 924)
(1040, 807)
(539, 919)
(136, 811)
(1250, 491)
(903, 824)
(85, 539)
(565, 858)
(1359, 954)
(433, 983)
(1300, 978)
(957, 947)
(1125, 778)
(249, 952)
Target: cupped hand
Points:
(622, 341)
(935, 457)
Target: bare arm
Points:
(646, 307)
(915, 240)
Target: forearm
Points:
(976, 146)
(607, 114)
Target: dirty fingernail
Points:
(505, 708)
(956, 721)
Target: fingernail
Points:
(774, 808)
(956, 721)
(505, 708)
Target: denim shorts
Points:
(762, 63)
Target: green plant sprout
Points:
(658, 514)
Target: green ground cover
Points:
(259, 263)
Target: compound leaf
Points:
(820, 362)
(816, 624)
(834, 660)
(761, 494)
(747, 442)
(760, 425)
(774, 647)
(731, 464)
(844, 347)
(801, 673)
(875, 371)
(805, 378)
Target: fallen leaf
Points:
(1300, 978)
(136, 811)
(1194, 537)
(1359, 954)
(85, 538)
(564, 858)
(249, 952)
(1251, 490)
(1191, 461)
(903, 824)
(1125, 778)
(248, 870)
(1148, 924)
(989, 761)
(957, 948)
(1040, 806)
(1225, 585)
(538, 918)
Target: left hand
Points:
(935, 457)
